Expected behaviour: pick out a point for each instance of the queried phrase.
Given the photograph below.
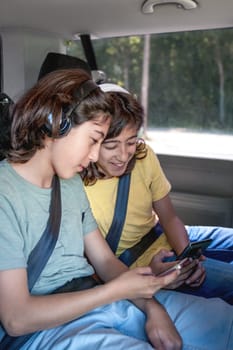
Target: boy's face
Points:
(116, 153)
(72, 153)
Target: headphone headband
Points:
(85, 89)
(82, 92)
(110, 87)
(65, 123)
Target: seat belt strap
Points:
(118, 221)
(130, 255)
(39, 257)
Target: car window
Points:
(189, 105)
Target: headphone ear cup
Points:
(65, 125)
(64, 128)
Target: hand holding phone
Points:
(177, 266)
(194, 249)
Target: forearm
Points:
(173, 227)
(148, 306)
(111, 269)
(117, 267)
(43, 312)
(176, 234)
(145, 305)
(159, 327)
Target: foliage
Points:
(191, 75)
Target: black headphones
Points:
(64, 127)
(65, 122)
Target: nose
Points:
(94, 155)
(122, 154)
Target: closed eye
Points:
(94, 141)
(132, 143)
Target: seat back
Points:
(6, 105)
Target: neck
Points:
(102, 173)
(37, 170)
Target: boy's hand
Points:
(140, 283)
(187, 271)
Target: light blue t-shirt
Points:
(24, 212)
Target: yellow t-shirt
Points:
(148, 184)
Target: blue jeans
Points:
(221, 247)
(190, 313)
(202, 323)
(218, 281)
(219, 274)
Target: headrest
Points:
(6, 104)
(109, 87)
(54, 61)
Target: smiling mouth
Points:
(118, 168)
(118, 165)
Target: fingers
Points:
(202, 258)
(169, 278)
(188, 265)
(157, 281)
(161, 255)
(139, 282)
(164, 253)
(145, 283)
(197, 277)
(192, 274)
(145, 270)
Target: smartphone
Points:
(177, 266)
(194, 249)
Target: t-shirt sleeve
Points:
(11, 240)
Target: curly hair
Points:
(125, 110)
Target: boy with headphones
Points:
(57, 129)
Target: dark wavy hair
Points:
(51, 94)
(125, 110)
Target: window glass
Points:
(188, 81)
